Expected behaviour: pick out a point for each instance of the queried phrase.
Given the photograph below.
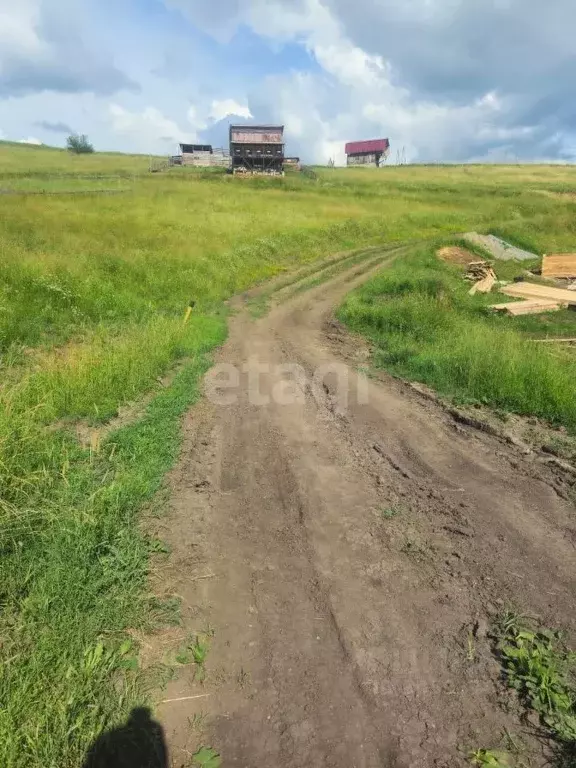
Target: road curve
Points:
(344, 542)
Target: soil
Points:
(453, 254)
(346, 559)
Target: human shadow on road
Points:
(140, 743)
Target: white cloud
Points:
(227, 107)
(43, 48)
(150, 129)
(30, 140)
(411, 71)
(446, 79)
(355, 96)
(196, 120)
(18, 33)
(147, 128)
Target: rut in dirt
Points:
(342, 538)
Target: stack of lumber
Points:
(545, 292)
(483, 276)
(528, 307)
(559, 265)
(539, 298)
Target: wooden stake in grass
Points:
(189, 311)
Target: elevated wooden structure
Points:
(257, 149)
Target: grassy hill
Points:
(98, 262)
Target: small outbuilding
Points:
(196, 154)
(372, 153)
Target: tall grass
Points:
(426, 327)
(73, 578)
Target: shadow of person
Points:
(140, 743)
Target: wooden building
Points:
(196, 154)
(374, 152)
(257, 149)
(203, 156)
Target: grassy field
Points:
(427, 328)
(98, 262)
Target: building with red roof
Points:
(371, 152)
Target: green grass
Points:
(206, 757)
(93, 290)
(425, 327)
(74, 577)
(389, 513)
(488, 758)
(540, 667)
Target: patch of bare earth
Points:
(347, 558)
(454, 254)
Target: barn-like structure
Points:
(257, 149)
(202, 155)
(196, 154)
(373, 152)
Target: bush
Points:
(79, 144)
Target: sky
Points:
(445, 80)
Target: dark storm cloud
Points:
(21, 77)
(467, 47)
(54, 127)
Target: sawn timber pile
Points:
(528, 307)
(545, 292)
(559, 265)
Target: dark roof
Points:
(189, 149)
(260, 126)
(367, 147)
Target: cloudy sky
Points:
(446, 80)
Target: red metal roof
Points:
(360, 147)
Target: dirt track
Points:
(348, 559)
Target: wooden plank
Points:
(534, 307)
(559, 265)
(555, 341)
(534, 291)
(483, 286)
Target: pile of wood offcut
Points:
(537, 297)
(482, 275)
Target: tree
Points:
(79, 144)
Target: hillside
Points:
(99, 260)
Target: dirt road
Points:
(346, 557)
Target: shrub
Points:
(79, 144)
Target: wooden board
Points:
(533, 291)
(559, 265)
(528, 307)
(485, 285)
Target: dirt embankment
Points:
(347, 554)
